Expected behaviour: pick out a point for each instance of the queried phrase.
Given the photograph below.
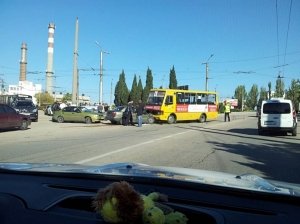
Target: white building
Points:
(25, 87)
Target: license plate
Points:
(270, 122)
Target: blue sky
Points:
(241, 35)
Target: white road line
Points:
(129, 147)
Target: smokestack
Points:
(75, 85)
(23, 62)
(49, 71)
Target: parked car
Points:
(277, 115)
(76, 114)
(10, 118)
(115, 116)
(27, 107)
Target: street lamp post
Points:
(101, 73)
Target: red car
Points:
(10, 118)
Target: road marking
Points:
(129, 147)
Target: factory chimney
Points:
(23, 62)
(49, 71)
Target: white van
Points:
(277, 115)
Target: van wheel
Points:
(171, 119)
(202, 118)
(294, 131)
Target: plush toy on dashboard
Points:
(119, 202)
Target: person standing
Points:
(139, 112)
(227, 111)
(128, 114)
(130, 109)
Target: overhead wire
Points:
(288, 29)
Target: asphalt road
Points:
(232, 147)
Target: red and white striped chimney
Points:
(49, 71)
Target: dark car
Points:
(10, 118)
(27, 107)
(116, 116)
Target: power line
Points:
(277, 33)
(287, 34)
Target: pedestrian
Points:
(125, 117)
(227, 111)
(55, 106)
(62, 105)
(139, 112)
(130, 112)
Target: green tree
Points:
(279, 88)
(139, 90)
(148, 86)
(67, 97)
(173, 80)
(293, 93)
(240, 94)
(121, 91)
(44, 99)
(252, 96)
(263, 95)
(133, 96)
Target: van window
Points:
(277, 108)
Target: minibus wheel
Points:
(202, 118)
(171, 119)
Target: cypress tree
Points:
(148, 86)
(134, 90)
(139, 90)
(173, 80)
(121, 91)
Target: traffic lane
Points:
(215, 146)
(237, 143)
(72, 142)
(180, 145)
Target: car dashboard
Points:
(61, 197)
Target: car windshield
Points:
(156, 98)
(193, 74)
(24, 104)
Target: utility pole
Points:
(111, 92)
(75, 68)
(101, 73)
(206, 69)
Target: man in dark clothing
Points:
(139, 111)
(127, 115)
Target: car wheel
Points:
(151, 119)
(24, 125)
(171, 119)
(60, 119)
(202, 118)
(88, 120)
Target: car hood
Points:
(244, 181)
